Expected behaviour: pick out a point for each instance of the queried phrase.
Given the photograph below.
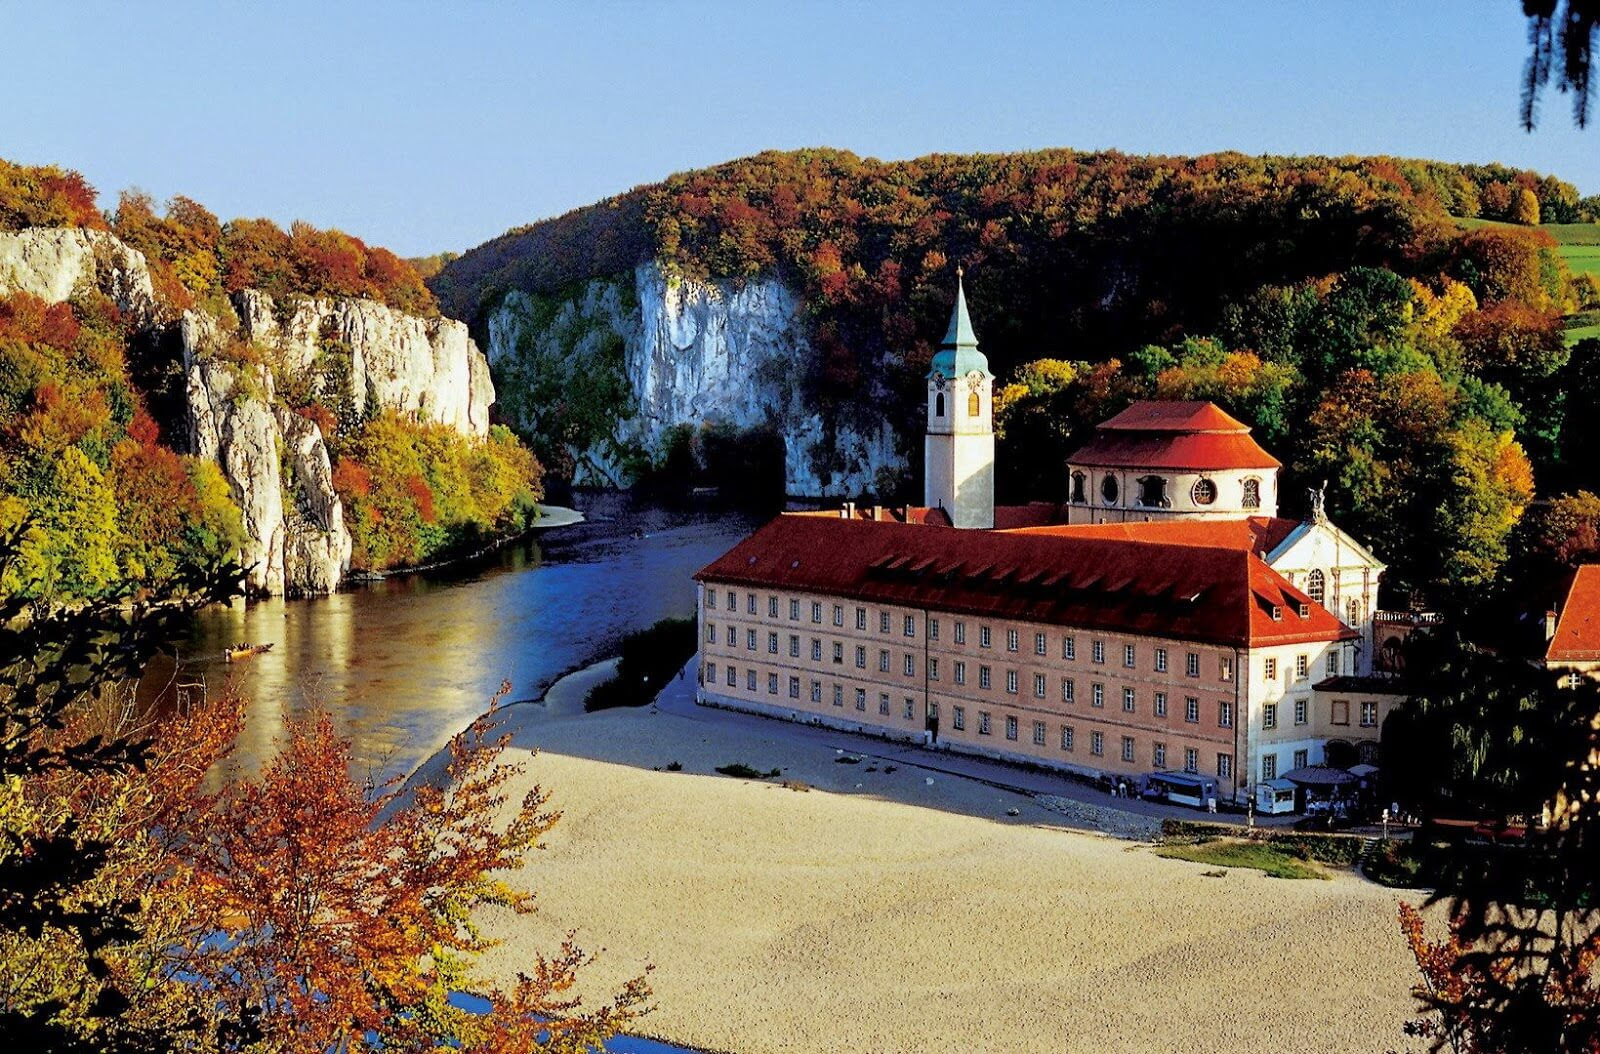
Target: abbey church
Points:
(1164, 619)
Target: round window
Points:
(1108, 489)
(1204, 492)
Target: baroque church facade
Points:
(1165, 618)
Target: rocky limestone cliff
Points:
(275, 461)
(687, 352)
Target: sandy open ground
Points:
(887, 914)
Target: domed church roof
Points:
(959, 354)
(1175, 435)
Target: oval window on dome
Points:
(1204, 492)
(1108, 489)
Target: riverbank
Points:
(888, 908)
(550, 516)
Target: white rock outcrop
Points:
(695, 353)
(427, 367)
(53, 263)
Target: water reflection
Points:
(404, 663)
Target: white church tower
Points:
(958, 476)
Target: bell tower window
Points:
(974, 403)
(938, 405)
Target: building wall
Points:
(1349, 578)
(923, 694)
(1586, 670)
(1180, 495)
(1284, 712)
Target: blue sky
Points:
(436, 126)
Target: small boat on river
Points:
(243, 651)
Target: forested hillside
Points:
(95, 458)
(1392, 326)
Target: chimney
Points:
(847, 511)
(878, 512)
(1549, 625)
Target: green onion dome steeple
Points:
(959, 354)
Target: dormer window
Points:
(1153, 492)
(1108, 489)
(1277, 613)
(1079, 483)
(1305, 610)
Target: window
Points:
(961, 672)
(1038, 733)
(750, 680)
(861, 618)
(961, 632)
(1011, 727)
(711, 599)
(1204, 492)
(772, 684)
(933, 669)
(1224, 766)
(983, 677)
(794, 688)
(1574, 679)
(1191, 664)
(1127, 700)
(1302, 666)
(1108, 490)
(883, 661)
(838, 653)
(1161, 704)
(1013, 640)
(958, 718)
(1098, 651)
(861, 657)
(1225, 669)
(933, 711)
(1332, 663)
(816, 691)
(1316, 585)
(1069, 647)
(933, 629)
(983, 636)
(1277, 613)
(1269, 716)
(772, 644)
(910, 665)
(1369, 714)
(983, 722)
(1353, 612)
(911, 625)
(794, 609)
(1129, 656)
(1191, 760)
(1011, 682)
(974, 404)
(1224, 714)
(816, 612)
(883, 622)
(1069, 690)
(1097, 743)
(816, 650)
(1153, 492)
(838, 614)
(1158, 756)
(794, 646)
(883, 703)
(1079, 482)
(1127, 748)
(1252, 494)
(750, 639)
(1191, 710)
(1269, 766)
(1269, 669)
(711, 673)
(838, 695)
(1098, 695)
(772, 607)
(1161, 660)
(733, 636)
(1341, 712)
(911, 709)
(1066, 737)
(1299, 711)
(733, 601)
(938, 404)
(750, 603)
(1040, 644)
(733, 677)
(1302, 758)
(711, 633)
(861, 699)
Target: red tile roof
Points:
(1257, 534)
(1174, 435)
(1577, 636)
(1006, 517)
(1221, 595)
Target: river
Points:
(403, 664)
